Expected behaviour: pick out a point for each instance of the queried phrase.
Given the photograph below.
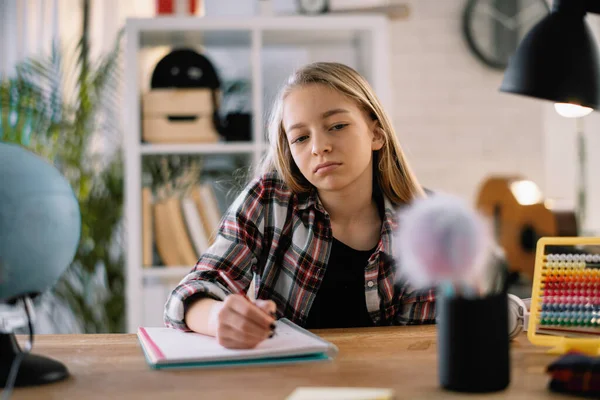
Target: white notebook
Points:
(170, 348)
(341, 393)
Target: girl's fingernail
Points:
(273, 314)
(272, 326)
(271, 335)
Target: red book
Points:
(168, 6)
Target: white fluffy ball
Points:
(441, 238)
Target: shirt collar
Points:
(389, 223)
(310, 199)
(388, 227)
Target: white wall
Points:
(561, 156)
(457, 127)
(454, 123)
(592, 132)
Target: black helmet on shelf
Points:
(185, 68)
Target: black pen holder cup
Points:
(473, 343)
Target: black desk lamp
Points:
(558, 60)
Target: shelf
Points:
(166, 272)
(208, 38)
(212, 148)
(313, 37)
(264, 50)
(236, 31)
(280, 22)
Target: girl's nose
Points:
(321, 144)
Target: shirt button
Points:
(370, 284)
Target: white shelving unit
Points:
(275, 46)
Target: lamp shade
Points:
(558, 61)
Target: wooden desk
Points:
(403, 358)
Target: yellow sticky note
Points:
(341, 393)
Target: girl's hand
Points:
(242, 324)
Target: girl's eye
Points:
(338, 127)
(300, 139)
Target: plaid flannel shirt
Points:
(282, 240)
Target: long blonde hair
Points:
(394, 176)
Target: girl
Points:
(314, 227)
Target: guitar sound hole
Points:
(497, 221)
(528, 238)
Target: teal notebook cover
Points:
(241, 363)
(166, 348)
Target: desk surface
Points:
(403, 358)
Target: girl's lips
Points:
(321, 169)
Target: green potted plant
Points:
(60, 118)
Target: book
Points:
(210, 210)
(194, 225)
(172, 239)
(171, 348)
(207, 214)
(341, 393)
(147, 230)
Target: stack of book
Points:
(181, 226)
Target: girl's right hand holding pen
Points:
(243, 324)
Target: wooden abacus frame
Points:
(559, 344)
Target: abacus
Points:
(565, 298)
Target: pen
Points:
(272, 314)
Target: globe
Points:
(40, 223)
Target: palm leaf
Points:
(57, 105)
(23, 112)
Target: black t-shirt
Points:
(340, 301)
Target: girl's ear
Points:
(378, 139)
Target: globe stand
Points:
(34, 370)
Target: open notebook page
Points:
(172, 346)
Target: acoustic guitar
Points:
(520, 216)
